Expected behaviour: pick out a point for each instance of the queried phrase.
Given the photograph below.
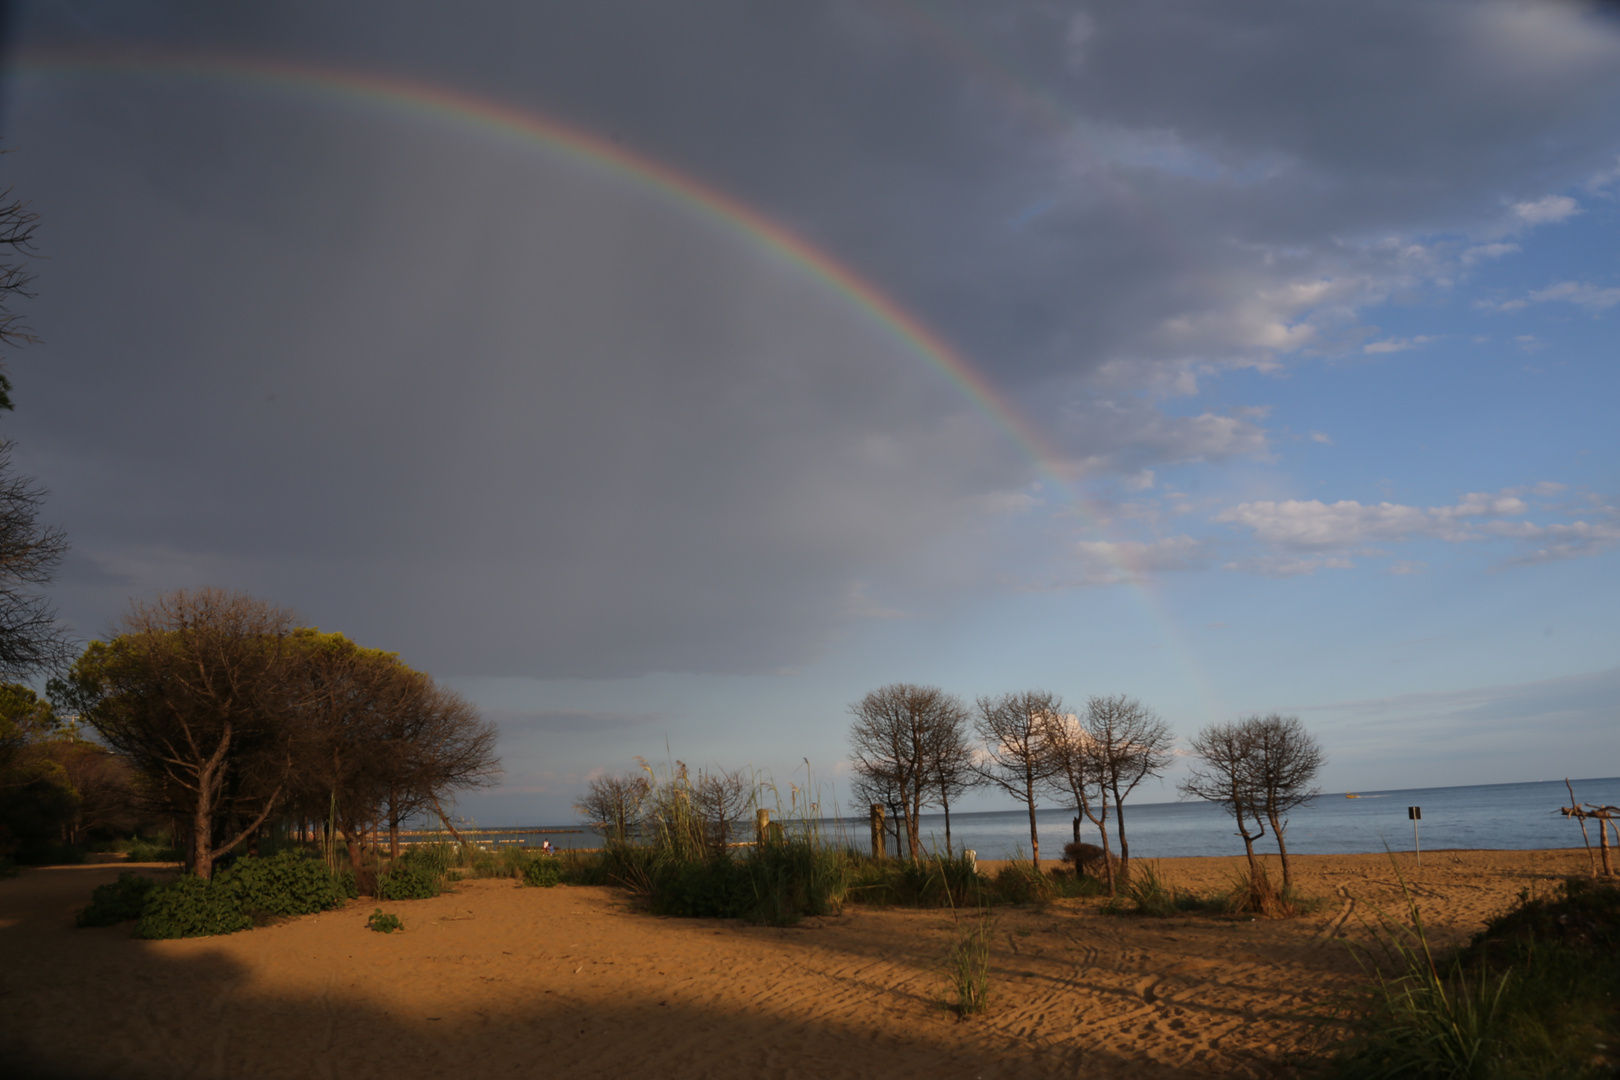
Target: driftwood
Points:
(1605, 816)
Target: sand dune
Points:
(497, 980)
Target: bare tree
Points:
(17, 224)
(1226, 775)
(1132, 744)
(1014, 729)
(721, 797)
(895, 738)
(31, 640)
(1076, 774)
(191, 692)
(948, 758)
(612, 804)
(1286, 761)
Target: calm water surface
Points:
(1509, 816)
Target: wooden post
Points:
(1603, 842)
(762, 826)
(878, 832)
(1575, 812)
(972, 859)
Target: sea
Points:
(1504, 816)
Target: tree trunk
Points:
(945, 802)
(202, 839)
(1101, 821)
(1124, 844)
(1034, 833)
(1282, 848)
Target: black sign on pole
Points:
(1416, 814)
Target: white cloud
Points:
(1546, 210)
(1587, 295)
(1389, 345)
(1482, 252)
(1308, 535)
(1321, 437)
(1108, 562)
(1288, 566)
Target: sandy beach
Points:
(496, 980)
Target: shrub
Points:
(1087, 859)
(383, 922)
(719, 887)
(408, 879)
(1532, 996)
(289, 883)
(140, 850)
(117, 901)
(191, 907)
(544, 871)
(1020, 882)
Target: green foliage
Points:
(249, 890)
(288, 883)
(436, 858)
(1532, 997)
(544, 871)
(779, 883)
(117, 901)
(383, 922)
(1020, 882)
(968, 967)
(192, 907)
(141, 850)
(934, 882)
(413, 876)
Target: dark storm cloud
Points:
(503, 414)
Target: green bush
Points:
(117, 901)
(192, 907)
(383, 922)
(289, 883)
(1020, 882)
(436, 858)
(545, 871)
(718, 888)
(147, 851)
(408, 879)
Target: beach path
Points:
(496, 980)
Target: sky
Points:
(664, 377)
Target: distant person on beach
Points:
(545, 847)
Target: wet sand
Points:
(498, 980)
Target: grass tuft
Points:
(1533, 995)
(968, 966)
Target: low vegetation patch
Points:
(250, 891)
(1536, 995)
(968, 966)
(544, 871)
(117, 901)
(383, 922)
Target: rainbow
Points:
(468, 111)
(504, 121)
